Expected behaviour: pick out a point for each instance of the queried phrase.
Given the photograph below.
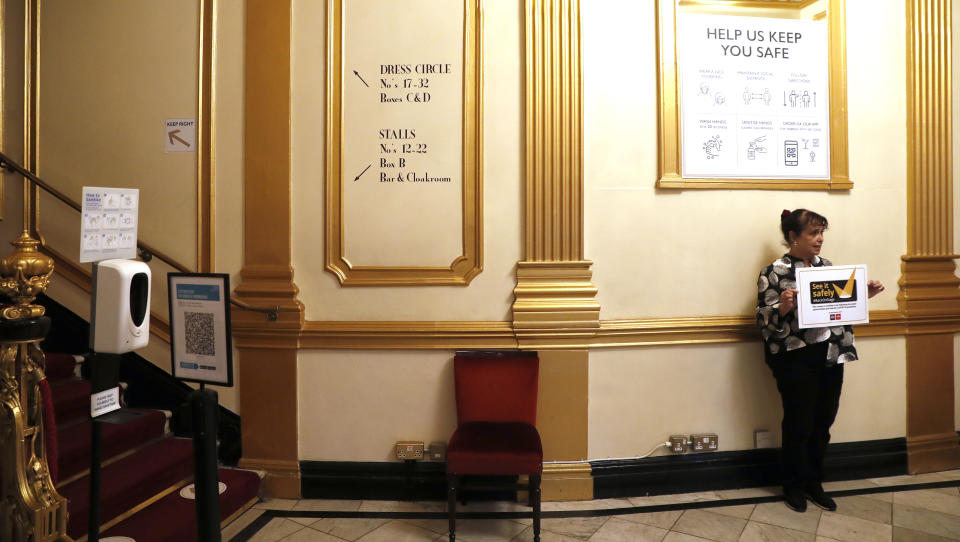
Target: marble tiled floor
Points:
(896, 515)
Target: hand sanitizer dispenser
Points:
(121, 312)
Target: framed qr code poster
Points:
(200, 340)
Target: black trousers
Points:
(810, 391)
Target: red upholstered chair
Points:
(496, 424)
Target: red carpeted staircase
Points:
(145, 469)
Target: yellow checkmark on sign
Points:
(847, 290)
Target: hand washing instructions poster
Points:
(754, 100)
(108, 227)
(200, 344)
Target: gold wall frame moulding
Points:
(444, 335)
(206, 88)
(470, 263)
(206, 136)
(668, 92)
(441, 335)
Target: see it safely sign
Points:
(832, 296)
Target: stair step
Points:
(74, 440)
(71, 399)
(131, 481)
(59, 366)
(153, 523)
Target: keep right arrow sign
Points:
(180, 135)
(173, 136)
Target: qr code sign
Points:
(199, 333)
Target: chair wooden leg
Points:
(452, 504)
(535, 498)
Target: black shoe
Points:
(795, 500)
(819, 498)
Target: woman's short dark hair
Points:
(797, 220)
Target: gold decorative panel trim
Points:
(206, 143)
(555, 305)
(566, 482)
(928, 284)
(929, 287)
(933, 453)
(31, 94)
(283, 477)
(554, 132)
(929, 128)
(470, 263)
(733, 329)
(267, 350)
(252, 331)
(408, 335)
(670, 172)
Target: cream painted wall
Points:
(228, 139)
(356, 404)
(11, 93)
(111, 73)
(228, 107)
(637, 235)
(712, 243)
(640, 396)
(391, 232)
(490, 295)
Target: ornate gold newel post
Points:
(555, 309)
(31, 510)
(929, 289)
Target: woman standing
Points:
(807, 363)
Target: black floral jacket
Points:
(780, 333)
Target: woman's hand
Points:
(874, 287)
(788, 300)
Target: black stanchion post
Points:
(93, 531)
(104, 375)
(203, 404)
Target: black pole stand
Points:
(203, 405)
(104, 375)
(93, 529)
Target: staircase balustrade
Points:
(31, 509)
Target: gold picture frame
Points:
(469, 263)
(670, 147)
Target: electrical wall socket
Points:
(437, 451)
(705, 442)
(763, 439)
(678, 443)
(408, 450)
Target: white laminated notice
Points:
(104, 402)
(108, 228)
